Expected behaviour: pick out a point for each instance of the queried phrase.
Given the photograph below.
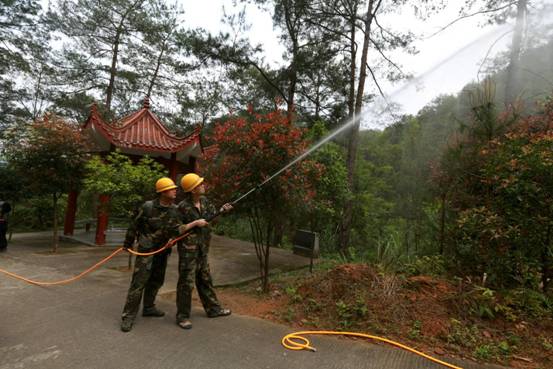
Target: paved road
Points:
(77, 326)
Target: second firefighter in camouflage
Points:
(193, 252)
(193, 262)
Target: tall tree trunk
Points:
(266, 245)
(55, 240)
(318, 99)
(158, 66)
(345, 225)
(363, 65)
(291, 26)
(292, 93)
(278, 233)
(547, 263)
(114, 57)
(416, 235)
(513, 69)
(352, 66)
(442, 224)
(406, 239)
(10, 224)
(112, 71)
(262, 246)
(37, 107)
(354, 132)
(266, 268)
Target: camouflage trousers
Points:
(194, 268)
(147, 279)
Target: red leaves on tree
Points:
(253, 147)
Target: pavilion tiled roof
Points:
(141, 130)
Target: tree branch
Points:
(488, 53)
(381, 52)
(333, 31)
(375, 81)
(282, 94)
(471, 15)
(384, 30)
(246, 62)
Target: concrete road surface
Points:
(77, 325)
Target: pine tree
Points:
(24, 59)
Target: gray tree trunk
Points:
(354, 132)
(55, 240)
(114, 57)
(513, 69)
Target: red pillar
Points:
(70, 212)
(173, 167)
(193, 163)
(102, 221)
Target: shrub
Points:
(427, 265)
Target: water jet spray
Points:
(378, 106)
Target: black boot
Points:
(218, 312)
(185, 324)
(152, 311)
(126, 324)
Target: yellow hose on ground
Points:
(287, 341)
(290, 341)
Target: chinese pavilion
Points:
(138, 134)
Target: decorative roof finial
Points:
(146, 102)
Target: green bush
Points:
(462, 334)
(292, 292)
(234, 226)
(529, 302)
(484, 352)
(502, 198)
(415, 331)
(36, 214)
(434, 265)
(345, 314)
(512, 304)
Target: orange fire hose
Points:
(168, 245)
(290, 341)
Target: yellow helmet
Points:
(164, 184)
(190, 181)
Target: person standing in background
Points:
(5, 209)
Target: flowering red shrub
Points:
(251, 148)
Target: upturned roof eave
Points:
(108, 131)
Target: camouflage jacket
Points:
(153, 224)
(189, 213)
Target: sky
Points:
(443, 64)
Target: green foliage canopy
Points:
(127, 183)
(504, 204)
(48, 155)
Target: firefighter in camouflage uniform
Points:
(193, 251)
(154, 224)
